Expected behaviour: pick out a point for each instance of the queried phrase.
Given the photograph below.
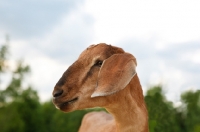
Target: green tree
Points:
(191, 110)
(57, 121)
(162, 114)
(19, 105)
(3, 56)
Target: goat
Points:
(104, 76)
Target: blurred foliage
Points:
(191, 112)
(21, 110)
(3, 55)
(162, 115)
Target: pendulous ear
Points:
(115, 74)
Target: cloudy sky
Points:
(49, 35)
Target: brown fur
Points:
(79, 82)
(97, 121)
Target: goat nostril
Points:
(57, 93)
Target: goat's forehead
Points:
(94, 50)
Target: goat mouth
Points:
(68, 102)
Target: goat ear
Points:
(115, 74)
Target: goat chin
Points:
(104, 76)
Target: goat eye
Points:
(99, 63)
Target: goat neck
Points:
(129, 109)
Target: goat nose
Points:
(57, 93)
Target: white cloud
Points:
(70, 27)
(192, 57)
(46, 73)
(166, 21)
(27, 19)
(67, 38)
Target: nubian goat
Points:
(104, 76)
